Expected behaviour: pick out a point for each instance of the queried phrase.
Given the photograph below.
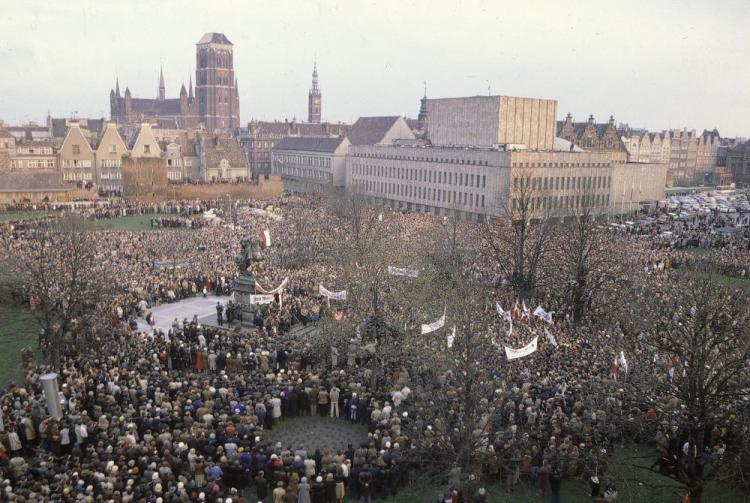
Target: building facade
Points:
(221, 158)
(314, 99)
(109, 155)
(521, 123)
(215, 83)
(260, 137)
(590, 135)
(738, 163)
(77, 158)
(308, 164)
(182, 111)
(35, 155)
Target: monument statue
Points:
(251, 262)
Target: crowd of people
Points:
(186, 414)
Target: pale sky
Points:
(652, 63)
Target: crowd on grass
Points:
(184, 414)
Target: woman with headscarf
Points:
(304, 491)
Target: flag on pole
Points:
(550, 338)
(451, 338)
(505, 315)
(526, 312)
(267, 238)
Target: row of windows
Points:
(560, 164)
(561, 202)
(303, 160)
(35, 150)
(32, 163)
(76, 176)
(472, 162)
(562, 182)
(312, 174)
(111, 163)
(115, 175)
(422, 175)
(76, 163)
(423, 193)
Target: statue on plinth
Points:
(251, 263)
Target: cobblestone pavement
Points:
(316, 433)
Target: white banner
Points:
(332, 295)
(544, 315)
(451, 338)
(623, 362)
(260, 299)
(267, 237)
(397, 271)
(550, 338)
(529, 348)
(435, 325)
(276, 290)
(505, 315)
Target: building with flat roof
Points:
(486, 121)
(308, 164)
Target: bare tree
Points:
(60, 272)
(698, 332)
(518, 245)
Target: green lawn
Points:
(17, 329)
(132, 223)
(20, 215)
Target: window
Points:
(113, 149)
(76, 149)
(147, 149)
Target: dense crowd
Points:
(184, 415)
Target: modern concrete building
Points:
(308, 164)
(485, 121)
(492, 158)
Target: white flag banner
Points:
(451, 338)
(397, 271)
(623, 362)
(276, 290)
(529, 348)
(260, 299)
(550, 338)
(539, 312)
(505, 315)
(332, 295)
(435, 325)
(267, 237)
(526, 312)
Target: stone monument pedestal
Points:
(243, 289)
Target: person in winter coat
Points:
(304, 491)
(318, 491)
(261, 486)
(330, 488)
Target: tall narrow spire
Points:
(422, 117)
(162, 89)
(117, 87)
(314, 98)
(190, 89)
(315, 89)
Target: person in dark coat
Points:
(261, 486)
(329, 485)
(317, 491)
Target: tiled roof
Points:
(370, 130)
(159, 107)
(277, 128)
(220, 147)
(214, 38)
(33, 181)
(309, 144)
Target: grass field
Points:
(133, 223)
(20, 215)
(17, 329)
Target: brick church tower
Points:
(215, 83)
(314, 98)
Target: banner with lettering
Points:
(529, 348)
(397, 271)
(332, 295)
(435, 325)
(260, 299)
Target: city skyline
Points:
(670, 65)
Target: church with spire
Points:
(314, 98)
(215, 104)
(173, 113)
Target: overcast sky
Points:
(652, 63)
